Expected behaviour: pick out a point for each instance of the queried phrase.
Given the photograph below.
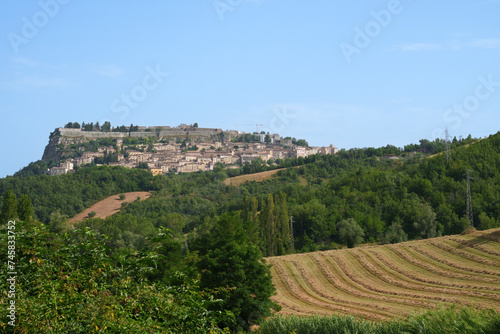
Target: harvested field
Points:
(257, 177)
(391, 281)
(110, 205)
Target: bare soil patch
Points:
(109, 206)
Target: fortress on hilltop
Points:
(182, 131)
(165, 149)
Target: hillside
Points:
(72, 193)
(111, 205)
(390, 200)
(383, 282)
(382, 200)
(257, 177)
(167, 150)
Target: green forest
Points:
(157, 264)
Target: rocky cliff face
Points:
(51, 151)
(62, 138)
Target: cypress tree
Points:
(9, 207)
(270, 224)
(250, 219)
(24, 208)
(254, 210)
(282, 231)
(262, 228)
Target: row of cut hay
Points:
(490, 235)
(303, 293)
(477, 293)
(474, 248)
(390, 281)
(297, 300)
(400, 280)
(345, 289)
(356, 307)
(290, 298)
(439, 268)
(353, 289)
(428, 259)
(391, 288)
(476, 245)
(378, 288)
(452, 295)
(459, 280)
(418, 263)
(287, 295)
(392, 284)
(465, 255)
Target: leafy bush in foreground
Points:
(443, 320)
(68, 284)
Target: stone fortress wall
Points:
(67, 136)
(191, 132)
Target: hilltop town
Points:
(165, 149)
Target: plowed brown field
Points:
(391, 281)
(110, 205)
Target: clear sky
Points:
(348, 73)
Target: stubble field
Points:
(391, 281)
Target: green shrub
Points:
(442, 320)
(69, 284)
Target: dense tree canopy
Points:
(229, 260)
(72, 193)
(70, 284)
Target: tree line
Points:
(106, 127)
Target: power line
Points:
(447, 144)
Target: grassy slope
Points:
(257, 177)
(391, 281)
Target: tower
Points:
(447, 144)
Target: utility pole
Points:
(470, 215)
(447, 144)
(292, 242)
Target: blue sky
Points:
(348, 73)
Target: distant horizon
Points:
(322, 145)
(351, 74)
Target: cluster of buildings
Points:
(167, 155)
